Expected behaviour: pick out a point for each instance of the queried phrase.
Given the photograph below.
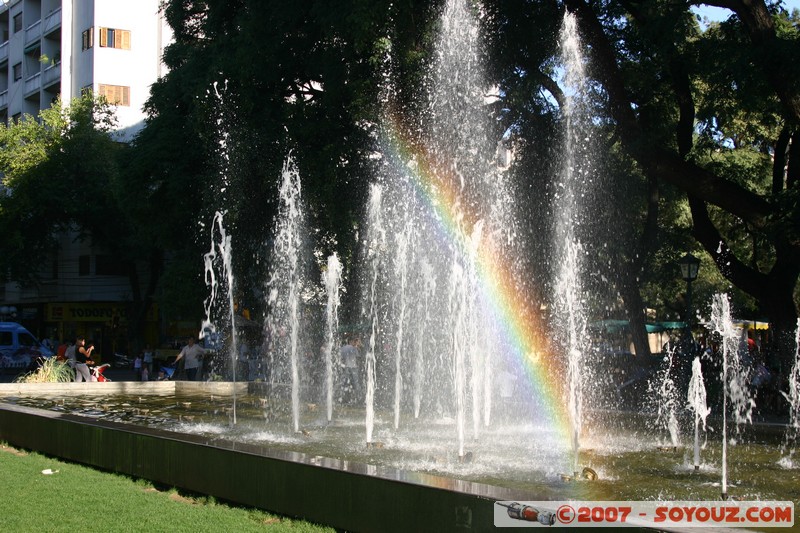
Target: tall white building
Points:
(50, 47)
(54, 47)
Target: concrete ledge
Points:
(219, 388)
(342, 494)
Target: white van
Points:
(19, 348)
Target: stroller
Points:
(168, 372)
(97, 372)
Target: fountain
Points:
(438, 221)
(376, 242)
(332, 280)
(697, 404)
(793, 396)
(734, 377)
(575, 177)
(283, 290)
(459, 390)
(665, 393)
(223, 248)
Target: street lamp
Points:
(690, 265)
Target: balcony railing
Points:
(52, 21)
(33, 33)
(3, 99)
(4, 52)
(51, 75)
(33, 84)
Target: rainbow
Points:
(522, 333)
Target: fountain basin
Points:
(181, 434)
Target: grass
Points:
(78, 498)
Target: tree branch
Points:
(662, 163)
(770, 49)
(747, 279)
(779, 160)
(552, 87)
(793, 169)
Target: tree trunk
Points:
(773, 291)
(142, 301)
(634, 307)
(778, 304)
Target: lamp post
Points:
(690, 265)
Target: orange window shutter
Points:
(125, 38)
(126, 96)
(103, 36)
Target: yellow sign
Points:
(92, 312)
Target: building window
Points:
(83, 265)
(116, 94)
(113, 38)
(109, 265)
(17, 22)
(16, 117)
(88, 38)
(87, 90)
(17, 72)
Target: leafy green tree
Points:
(63, 173)
(52, 170)
(251, 82)
(693, 140)
(690, 115)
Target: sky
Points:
(717, 14)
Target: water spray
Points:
(223, 246)
(332, 278)
(285, 282)
(734, 376)
(793, 395)
(376, 240)
(696, 398)
(667, 398)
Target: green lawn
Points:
(77, 498)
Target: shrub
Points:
(51, 371)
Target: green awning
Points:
(672, 325)
(614, 326)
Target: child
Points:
(137, 366)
